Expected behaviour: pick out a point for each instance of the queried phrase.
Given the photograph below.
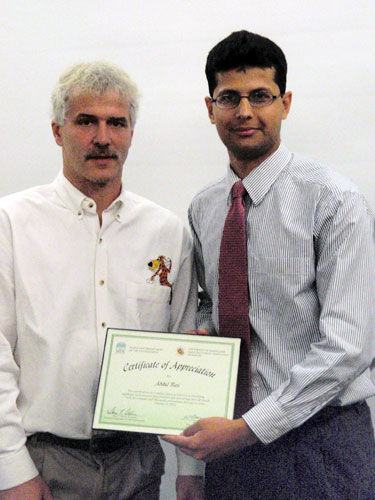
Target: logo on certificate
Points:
(180, 351)
(120, 347)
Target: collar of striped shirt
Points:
(260, 180)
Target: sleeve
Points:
(184, 299)
(183, 314)
(345, 286)
(204, 314)
(16, 465)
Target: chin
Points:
(103, 177)
(253, 152)
(102, 181)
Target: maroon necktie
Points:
(234, 292)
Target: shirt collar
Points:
(79, 203)
(260, 180)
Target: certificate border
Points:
(112, 334)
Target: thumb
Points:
(192, 429)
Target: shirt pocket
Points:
(147, 307)
(277, 284)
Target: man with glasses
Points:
(285, 256)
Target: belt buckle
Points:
(94, 446)
(102, 441)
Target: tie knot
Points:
(238, 190)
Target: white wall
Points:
(163, 44)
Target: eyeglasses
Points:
(257, 99)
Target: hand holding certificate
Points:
(161, 383)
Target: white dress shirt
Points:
(63, 280)
(311, 275)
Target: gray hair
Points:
(92, 77)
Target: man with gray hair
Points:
(74, 260)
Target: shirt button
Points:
(104, 324)
(118, 216)
(100, 240)
(276, 432)
(79, 213)
(255, 383)
(101, 282)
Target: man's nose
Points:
(102, 135)
(245, 109)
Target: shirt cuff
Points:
(16, 469)
(188, 466)
(267, 420)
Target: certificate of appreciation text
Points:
(161, 383)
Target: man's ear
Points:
(209, 109)
(287, 102)
(56, 130)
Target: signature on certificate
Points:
(191, 418)
(121, 412)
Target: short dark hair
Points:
(243, 49)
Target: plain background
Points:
(163, 45)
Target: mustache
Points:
(101, 153)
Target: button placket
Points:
(101, 290)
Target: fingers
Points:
(188, 445)
(181, 441)
(181, 438)
(192, 429)
(187, 451)
(202, 331)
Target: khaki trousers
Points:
(129, 473)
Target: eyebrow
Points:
(110, 119)
(229, 90)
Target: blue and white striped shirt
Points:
(311, 270)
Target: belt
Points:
(93, 445)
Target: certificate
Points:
(161, 383)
